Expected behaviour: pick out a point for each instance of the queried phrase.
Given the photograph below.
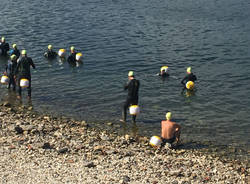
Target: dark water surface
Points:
(117, 36)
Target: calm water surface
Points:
(117, 36)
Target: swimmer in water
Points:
(4, 47)
(164, 72)
(23, 71)
(170, 131)
(72, 57)
(189, 77)
(132, 98)
(15, 51)
(10, 71)
(50, 54)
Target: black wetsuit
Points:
(132, 98)
(5, 48)
(16, 52)
(23, 71)
(10, 70)
(72, 58)
(188, 77)
(50, 54)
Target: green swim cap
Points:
(14, 45)
(168, 115)
(130, 73)
(189, 70)
(49, 46)
(72, 48)
(3, 39)
(24, 52)
(13, 56)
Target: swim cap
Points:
(168, 115)
(12, 57)
(24, 52)
(3, 39)
(130, 73)
(14, 45)
(189, 70)
(72, 48)
(49, 46)
(190, 85)
(164, 68)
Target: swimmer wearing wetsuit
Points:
(72, 57)
(132, 98)
(10, 70)
(170, 131)
(4, 46)
(15, 51)
(189, 77)
(50, 54)
(23, 71)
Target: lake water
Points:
(213, 37)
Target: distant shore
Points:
(37, 148)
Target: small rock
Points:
(90, 164)
(18, 130)
(46, 118)
(63, 150)
(6, 104)
(109, 123)
(46, 146)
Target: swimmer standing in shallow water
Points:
(189, 77)
(132, 98)
(170, 131)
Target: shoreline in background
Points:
(45, 149)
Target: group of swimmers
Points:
(18, 66)
(170, 131)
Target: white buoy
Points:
(134, 110)
(78, 56)
(155, 141)
(4, 79)
(24, 83)
(61, 53)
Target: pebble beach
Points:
(36, 148)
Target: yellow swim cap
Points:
(168, 115)
(190, 85)
(49, 46)
(72, 48)
(165, 68)
(130, 73)
(24, 52)
(3, 39)
(14, 45)
(13, 56)
(189, 70)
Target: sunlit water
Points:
(117, 36)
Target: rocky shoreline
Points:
(42, 149)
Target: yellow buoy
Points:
(78, 56)
(190, 85)
(61, 52)
(164, 68)
(24, 83)
(155, 141)
(4, 79)
(134, 109)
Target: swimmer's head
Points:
(49, 47)
(168, 115)
(72, 49)
(13, 56)
(24, 52)
(130, 74)
(3, 39)
(189, 70)
(14, 46)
